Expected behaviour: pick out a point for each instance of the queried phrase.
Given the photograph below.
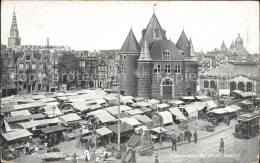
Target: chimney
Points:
(143, 32)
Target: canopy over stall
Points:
(103, 131)
(192, 111)
(141, 104)
(176, 112)
(114, 109)
(125, 129)
(38, 97)
(167, 117)
(159, 130)
(229, 109)
(100, 101)
(131, 121)
(105, 117)
(46, 100)
(248, 94)
(162, 106)
(134, 112)
(224, 92)
(235, 107)
(80, 106)
(36, 123)
(203, 98)
(218, 111)
(9, 136)
(69, 118)
(52, 129)
(52, 110)
(21, 112)
(211, 105)
(144, 119)
(145, 109)
(22, 106)
(153, 102)
(246, 102)
(176, 102)
(199, 105)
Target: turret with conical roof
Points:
(153, 31)
(223, 46)
(129, 55)
(232, 45)
(190, 52)
(183, 43)
(144, 72)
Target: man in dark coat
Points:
(189, 135)
(195, 136)
(185, 135)
(221, 149)
(49, 144)
(174, 141)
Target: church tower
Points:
(144, 72)
(14, 39)
(129, 55)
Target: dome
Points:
(239, 41)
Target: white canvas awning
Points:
(114, 109)
(229, 109)
(48, 100)
(134, 112)
(199, 105)
(142, 104)
(20, 112)
(248, 94)
(16, 134)
(167, 117)
(191, 110)
(72, 117)
(131, 121)
(235, 107)
(22, 106)
(188, 97)
(153, 102)
(52, 111)
(211, 104)
(162, 106)
(105, 117)
(225, 92)
(176, 112)
(218, 111)
(81, 106)
(104, 131)
(52, 104)
(159, 130)
(176, 102)
(100, 101)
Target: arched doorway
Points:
(241, 86)
(213, 84)
(249, 86)
(167, 86)
(206, 84)
(233, 86)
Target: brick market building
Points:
(157, 68)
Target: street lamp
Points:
(53, 109)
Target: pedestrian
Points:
(221, 149)
(160, 140)
(188, 135)
(174, 141)
(185, 135)
(74, 158)
(49, 144)
(195, 135)
(27, 146)
(156, 159)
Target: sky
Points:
(105, 25)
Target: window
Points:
(28, 58)
(27, 65)
(167, 82)
(82, 63)
(99, 68)
(88, 63)
(206, 84)
(157, 69)
(167, 69)
(177, 69)
(33, 66)
(122, 67)
(124, 57)
(21, 65)
(166, 54)
(9, 62)
(45, 58)
(6, 55)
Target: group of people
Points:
(29, 147)
(188, 135)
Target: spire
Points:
(190, 52)
(130, 45)
(223, 46)
(183, 43)
(48, 43)
(154, 8)
(14, 18)
(145, 54)
(153, 31)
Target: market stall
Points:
(203, 98)
(131, 121)
(175, 103)
(126, 131)
(105, 135)
(134, 112)
(211, 105)
(166, 116)
(177, 114)
(191, 111)
(70, 119)
(161, 107)
(145, 120)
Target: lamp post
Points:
(53, 109)
(118, 91)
